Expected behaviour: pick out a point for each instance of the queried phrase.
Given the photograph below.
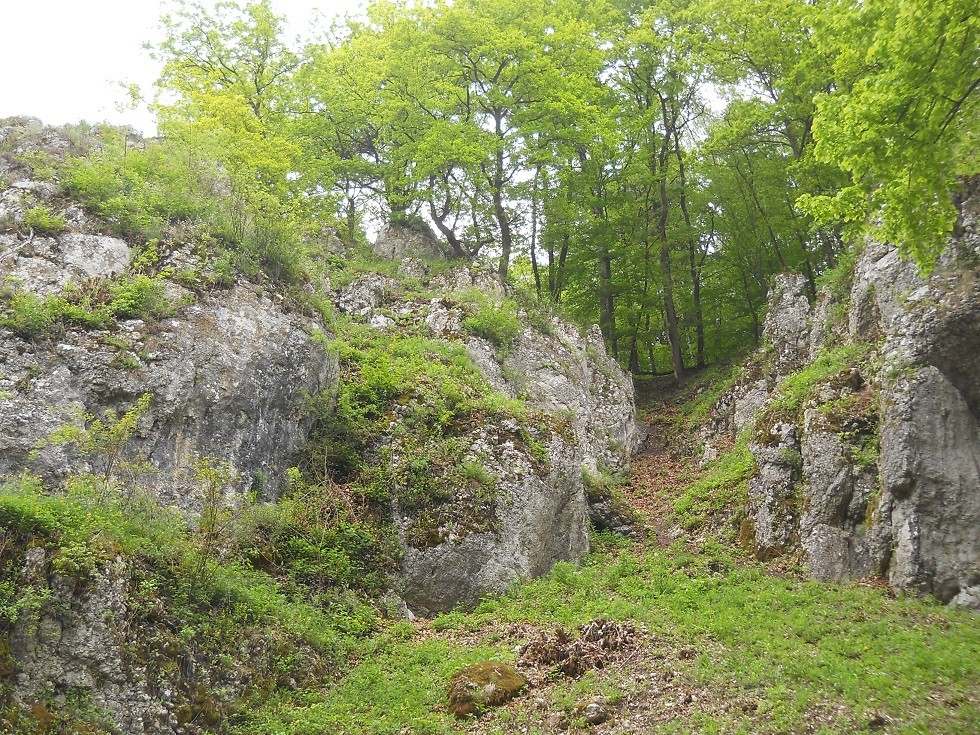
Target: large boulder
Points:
(398, 242)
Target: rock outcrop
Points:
(72, 645)
(581, 418)
(227, 371)
(398, 242)
(878, 471)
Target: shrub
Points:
(28, 316)
(43, 222)
(139, 297)
(494, 321)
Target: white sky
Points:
(63, 60)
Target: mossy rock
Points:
(483, 685)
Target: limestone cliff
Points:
(864, 423)
(581, 419)
(87, 330)
(229, 368)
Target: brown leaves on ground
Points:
(659, 471)
(598, 643)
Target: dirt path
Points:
(663, 465)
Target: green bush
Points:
(139, 297)
(28, 316)
(43, 222)
(494, 321)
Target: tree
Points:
(905, 120)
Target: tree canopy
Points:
(645, 165)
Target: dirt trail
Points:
(664, 463)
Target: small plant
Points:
(723, 485)
(41, 221)
(27, 315)
(139, 297)
(494, 321)
(103, 442)
(213, 477)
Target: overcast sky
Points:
(64, 60)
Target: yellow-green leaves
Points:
(904, 124)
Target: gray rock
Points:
(569, 375)
(787, 323)
(469, 276)
(364, 295)
(774, 497)
(413, 268)
(541, 513)
(227, 377)
(44, 265)
(397, 242)
(542, 520)
(915, 516)
(968, 597)
(73, 643)
(930, 469)
(595, 713)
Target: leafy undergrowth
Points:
(228, 606)
(727, 649)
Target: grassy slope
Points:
(756, 653)
(728, 647)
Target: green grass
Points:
(43, 222)
(399, 684)
(704, 390)
(791, 645)
(723, 485)
(190, 604)
(95, 306)
(797, 387)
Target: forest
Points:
(647, 166)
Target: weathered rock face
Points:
(227, 373)
(398, 242)
(73, 645)
(929, 411)
(787, 324)
(879, 472)
(540, 510)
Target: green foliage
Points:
(866, 452)
(96, 305)
(179, 182)
(41, 221)
(27, 315)
(429, 472)
(602, 484)
(494, 321)
(138, 297)
(434, 380)
(104, 442)
(722, 486)
(177, 611)
(797, 387)
(903, 122)
(319, 537)
(704, 390)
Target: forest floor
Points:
(697, 637)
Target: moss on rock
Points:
(487, 684)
